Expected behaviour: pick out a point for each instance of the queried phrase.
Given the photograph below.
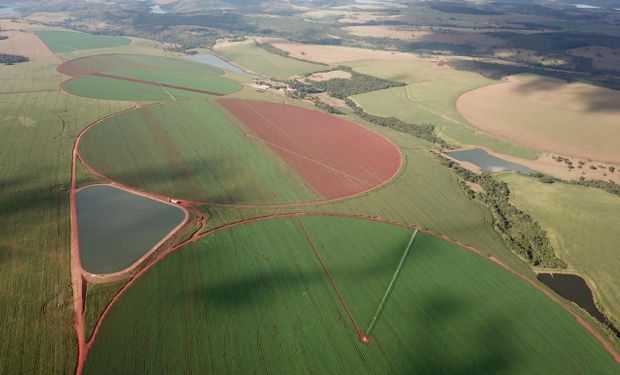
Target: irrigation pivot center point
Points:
(365, 339)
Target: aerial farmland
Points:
(309, 188)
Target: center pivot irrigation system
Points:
(366, 337)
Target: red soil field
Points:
(334, 156)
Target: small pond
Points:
(574, 288)
(117, 227)
(488, 163)
(218, 62)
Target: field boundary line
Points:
(358, 331)
(151, 83)
(198, 235)
(193, 202)
(390, 287)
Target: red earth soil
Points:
(335, 157)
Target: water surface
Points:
(575, 288)
(488, 163)
(218, 62)
(117, 227)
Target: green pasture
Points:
(583, 226)
(255, 299)
(430, 97)
(191, 150)
(258, 60)
(67, 41)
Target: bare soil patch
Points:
(577, 120)
(25, 44)
(335, 157)
(547, 164)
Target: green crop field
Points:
(255, 299)
(157, 72)
(116, 89)
(430, 97)
(38, 126)
(191, 150)
(67, 41)
(258, 60)
(583, 227)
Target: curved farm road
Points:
(78, 281)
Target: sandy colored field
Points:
(547, 165)
(574, 119)
(602, 57)
(25, 44)
(336, 54)
(330, 75)
(383, 31)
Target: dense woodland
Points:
(519, 230)
(342, 88)
(8, 59)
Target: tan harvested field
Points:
(330, 75)
(336, 54)
(454, 37)
(577, 120)
(602, 57)
(25, 44)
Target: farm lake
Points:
(118, 227)
(218, 62)
(574, 288)
(487, 163)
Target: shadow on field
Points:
(591, 99)
(449, 346)
(180, 180)
(438, 340)
(24, 193)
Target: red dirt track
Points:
(335, 157)
(151, 83)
